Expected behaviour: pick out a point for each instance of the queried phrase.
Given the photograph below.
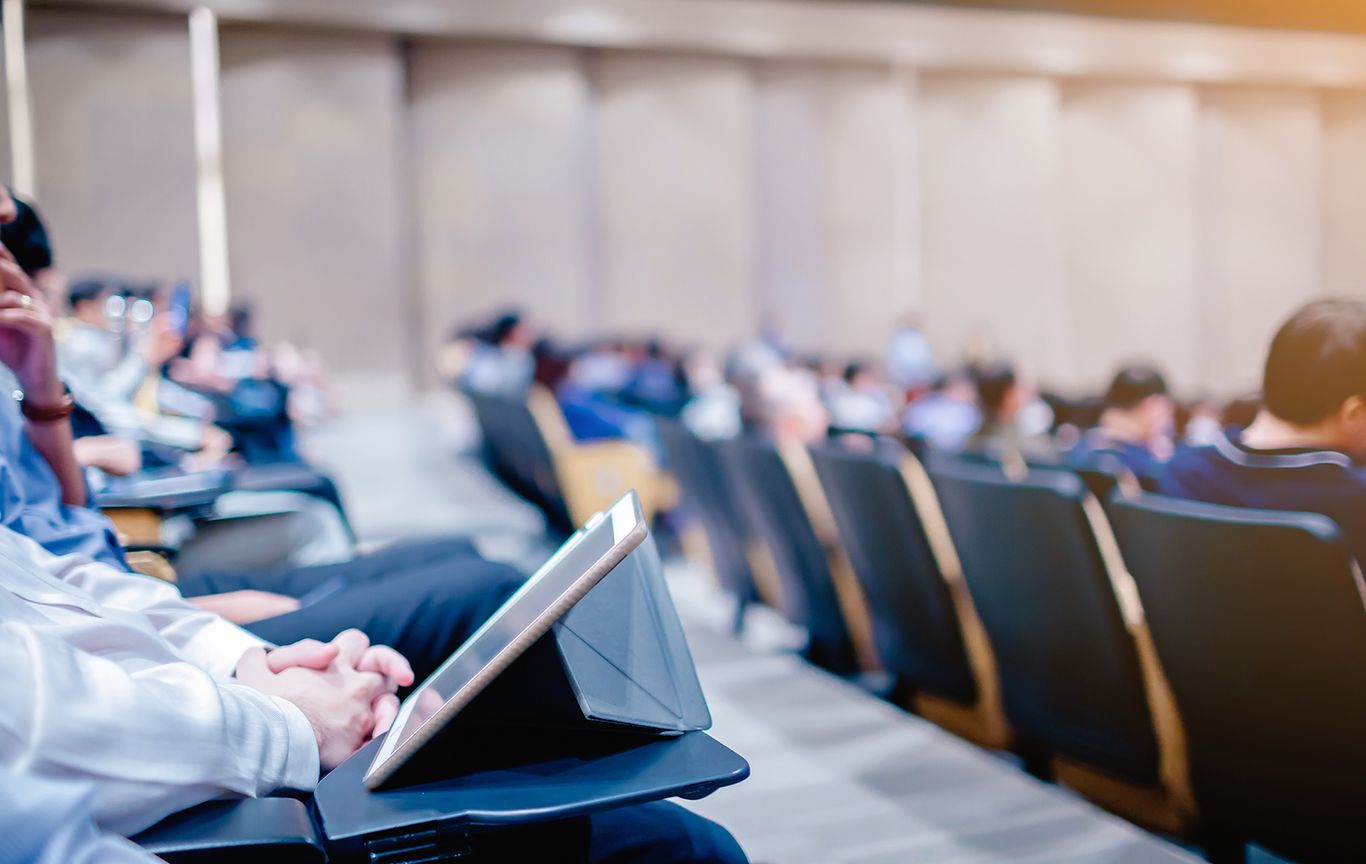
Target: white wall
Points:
(673, 160)
(1128, 197)
(1074, 192)
(836, 171)
(112, 118)
(1260, 224)
(500, 158)
(993, 254)
(316, 221)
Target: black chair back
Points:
(518, 454)
(769, 498)
(915, 625)
(706, 492)
(1069, 667)
(1259, 621)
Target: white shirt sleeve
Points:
(155, 738)
(204, 638)
(45, 822)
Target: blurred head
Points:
(1000, 392)
(509, 330)
(86, 299)
(790, 407)
(1316, 372)
(1138, 399)
(702, 371)
(860, 376)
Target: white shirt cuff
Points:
(218, 648)
(302, 765)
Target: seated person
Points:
(500, 362)
(946, 416)
(100, 654)
(425, 597)
(1135, 425)
(1008, 431)
(201, 710)
(712, 411)
(860, 401)
(1301, 450)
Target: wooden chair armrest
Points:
(150, 563)
(136, 526)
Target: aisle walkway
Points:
(838, 777)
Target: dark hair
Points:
(994, 382)
(85, 290)
(1317, 360)
(1133, 384)
(501, 327)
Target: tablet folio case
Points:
(617, 660)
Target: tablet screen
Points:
(509, 631)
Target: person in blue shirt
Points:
(1300, 452)
(1135, 428)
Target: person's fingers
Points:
(21, 319)
(351, 644)
(12, 276)
(308, 653)
(387, 662)
(253, 665)
(14, 298)
(386, 710)
(368, 685)
(5, 254)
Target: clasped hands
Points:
(346, 688)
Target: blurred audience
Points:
(1136, 426)
(910, 362)
(1011, 426)
(500, 360)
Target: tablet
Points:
(576, 567)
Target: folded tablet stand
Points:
(604, 711)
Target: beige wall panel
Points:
(1129, 199)
(501, 173)
(1260, 242)
(834, 158)
(790, 235)
(311, 150)
(993, 260)
(1344, 188)
(675, 166)
(6, 172)
(113, 119)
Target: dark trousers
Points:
(423, 598)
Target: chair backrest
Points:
(915, 625)
(517, 452)
(769, 497)
(1259, 621)
(1069, 667)
(707, 493)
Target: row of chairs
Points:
(1194, 668)
(529, 447)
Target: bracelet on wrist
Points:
(47, 413)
